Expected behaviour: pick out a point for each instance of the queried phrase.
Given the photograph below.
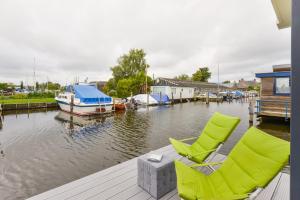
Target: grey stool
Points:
(157, 178)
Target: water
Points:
(44, 150)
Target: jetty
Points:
(120, 182)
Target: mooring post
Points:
(160, 98)
(207, 97)
(251, 112)
(114, 104)
(72, 104)
(180, 97)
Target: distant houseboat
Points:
(179, 89)
(87, 100)
(275, 94)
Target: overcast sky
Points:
(83, 38)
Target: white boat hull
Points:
(86, 109)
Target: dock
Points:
(120, 182)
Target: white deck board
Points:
(120, 182)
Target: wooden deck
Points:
(120, 182)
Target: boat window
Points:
(282, 86)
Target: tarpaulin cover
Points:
(163, 99)
(89, 94)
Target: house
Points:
(177, 89)
(275, 92)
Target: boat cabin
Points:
(275, 92)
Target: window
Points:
(158, 89)
(282, 86)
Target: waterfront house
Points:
(275, 99)
(186, 89)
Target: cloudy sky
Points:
(69, 38)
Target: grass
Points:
(21, 101)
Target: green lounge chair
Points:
(214, 134)
(256, 159)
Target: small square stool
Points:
(157, 178)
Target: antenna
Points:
(218, 77)
(34, 78)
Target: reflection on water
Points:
(40, 151)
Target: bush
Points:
(36, 95)
(19, 96)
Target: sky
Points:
(64, 39)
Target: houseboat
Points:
(275, 93)
(84, 99)
(183, 90)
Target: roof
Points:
(283, 12)
(273, 74)
(186, 83)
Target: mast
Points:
(147, 86)
(218, 77)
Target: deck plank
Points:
(268, 192)
(282, 191)
(120, 182)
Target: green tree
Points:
(37, 86)
(129, 65)
(225, 82)
(3, 86)
(22, 85)
(182, 77)
(250, 87)
(202, 74)
(125, 87)
(129, 75)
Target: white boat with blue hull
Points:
(87, 100)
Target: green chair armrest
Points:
(233, 197)
(206, 164)
(187, 139)
(202, 152)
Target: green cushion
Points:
(216, 131)
(252, 163)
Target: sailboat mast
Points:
(147, 86)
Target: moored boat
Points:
(87, 100)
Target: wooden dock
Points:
(120, 182)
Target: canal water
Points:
(43, 150)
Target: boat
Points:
(141, 99)
(119, 104)
(87, 100)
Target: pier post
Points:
(207, 97)
(251, 112)
(114, 104)
(72, 104)
(180, 97)
(160, 98)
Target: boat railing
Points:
(276, 106)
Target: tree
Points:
(202, 74)
(37, 86)
(182, 77)
(3, 86)
(225, 82)
(129, 76)
(250, 87)
(22, 85)
(129, 65)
